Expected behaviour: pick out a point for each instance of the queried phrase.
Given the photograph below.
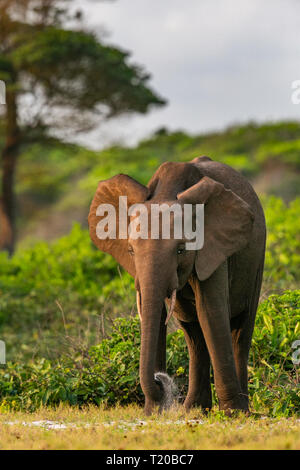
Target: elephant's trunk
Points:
(153, 284)
(151, 317)
(158, 388)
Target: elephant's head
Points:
(161, 266)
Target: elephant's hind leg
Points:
(242, 327)
(241, 331)
(199, 391)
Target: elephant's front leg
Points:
(212, 304)
(199, 391)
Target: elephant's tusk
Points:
(138, 304)
(172, 305)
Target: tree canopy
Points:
(58, 75)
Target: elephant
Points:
(213, 292)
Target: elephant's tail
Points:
(170, 391)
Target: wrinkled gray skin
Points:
(217, 287)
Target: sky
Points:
(217, 62)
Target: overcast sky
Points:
(217, 62)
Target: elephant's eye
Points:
(180, 250)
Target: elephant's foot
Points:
(203, 402)
(150, 407)
(235, 404)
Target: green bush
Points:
(108, 373)
(286, 153)
(274, 379)
(53, 290)
(282, 262)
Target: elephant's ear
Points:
(228, 222)
(108, 192)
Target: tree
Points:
(57, 77)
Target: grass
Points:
(125, 428)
